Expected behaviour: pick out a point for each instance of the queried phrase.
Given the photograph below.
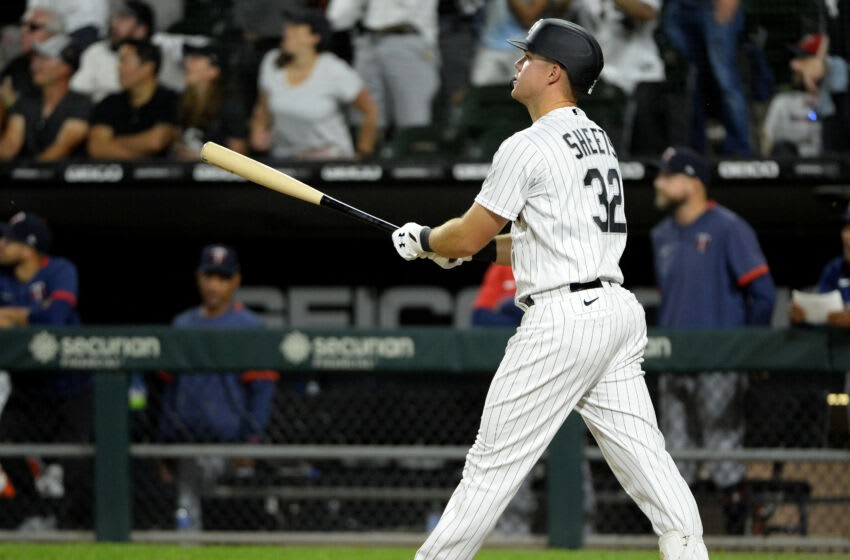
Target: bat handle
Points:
(344, 208)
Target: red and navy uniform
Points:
(51, 297)
(494, 305)
(836, 276)
(217, 406)
(690, 259)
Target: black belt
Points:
(574, 287)
(401, 29)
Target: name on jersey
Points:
(589, 141)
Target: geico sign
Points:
(767, 169)
(94, 173)
(352, 172)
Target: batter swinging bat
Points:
(279, 181)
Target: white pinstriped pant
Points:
(566, 355)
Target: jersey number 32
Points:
(611, 180)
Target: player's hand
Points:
(446, 262)
(407, 241)
(796, 314)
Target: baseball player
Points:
(712, 274)
(580, 343)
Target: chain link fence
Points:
(398, 443)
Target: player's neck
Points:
(538, 110)
(212, 311)
(688, 213)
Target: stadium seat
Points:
(419, 142)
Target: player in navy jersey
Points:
(834, 276)
(711, 273)
(214, 406)
(37, 288)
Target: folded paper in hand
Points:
(818, 306)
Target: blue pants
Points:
(712, 50)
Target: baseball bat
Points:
(263, 175)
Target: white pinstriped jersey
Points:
(559, 182)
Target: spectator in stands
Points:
(626, 33)
(53, 124)
(706, 32)
(825, 76)
(459, 30)
(494, 56)
(711, 273)
(836, 18)
(16, 77)
(37, 288)
(792, 126)
(303, 90)
(84, 19)
(98, 73)
(208, 111)
(396, 54)
(204, 407)
(141, 121)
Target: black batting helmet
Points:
(569, 45)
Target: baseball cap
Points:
(29, 229)
(808, 45)
(139, 10)
(61, 47)
(219, 259)
(679, 159)
(314, 18)
(212, 50)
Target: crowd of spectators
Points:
(337, 79)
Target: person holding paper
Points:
(835, 276)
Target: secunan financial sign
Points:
(92, 352)
(345, 352)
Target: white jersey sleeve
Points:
(559, 182)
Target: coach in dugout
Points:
(712, 274)
(52, 123)
(213, 407)
(39, 289)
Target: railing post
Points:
(565, 485)
(112, 457)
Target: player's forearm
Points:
(453, 240)
(14, 316)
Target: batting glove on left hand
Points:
(407, 241)
(446, 262)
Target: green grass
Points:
(155, 552)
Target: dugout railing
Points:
(112, 352)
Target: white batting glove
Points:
(407, 241)
(447, 263)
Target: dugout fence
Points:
(370, 429)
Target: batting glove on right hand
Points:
(407, 241)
